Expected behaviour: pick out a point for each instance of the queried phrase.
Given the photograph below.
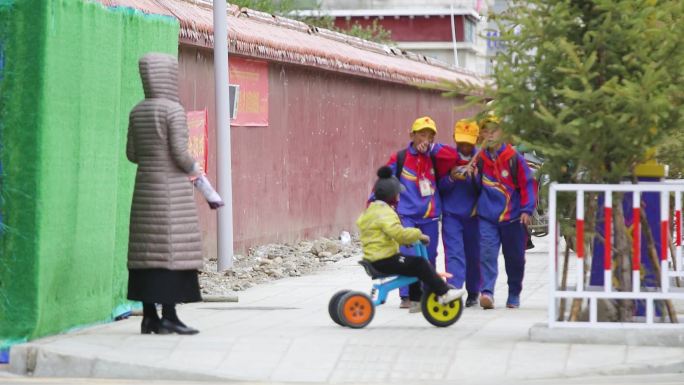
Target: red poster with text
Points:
(252, 77)
(198, 141)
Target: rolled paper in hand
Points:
(196, 171)
(204, 186)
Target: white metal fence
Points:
(578, 288)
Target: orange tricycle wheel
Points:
(355, 309)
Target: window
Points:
(469, 31)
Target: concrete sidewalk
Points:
(281, 332)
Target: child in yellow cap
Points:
(420, 205)
(505, 205)
(460, 228)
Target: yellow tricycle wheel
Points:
(438, 314)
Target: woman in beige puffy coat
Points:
(164, 250)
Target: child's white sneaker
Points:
(415, 307)
(451, 295)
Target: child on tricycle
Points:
(381, 234)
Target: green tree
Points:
(592, 85)
(374, 32)
(671, 153)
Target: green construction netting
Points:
(69, 79)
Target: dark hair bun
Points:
(384, 172)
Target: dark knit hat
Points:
(387, 187)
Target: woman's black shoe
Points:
(149, 325)
(169, 327)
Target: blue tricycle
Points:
(356, 309)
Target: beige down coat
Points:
(164, 231)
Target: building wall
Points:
(66, 185)
(405, 28)
(380, 4)
(432, 36)
(308, 173)
(196, 87)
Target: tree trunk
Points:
(622, 261)
(653, 257)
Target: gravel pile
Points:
(274, 261)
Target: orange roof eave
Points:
(261, 35)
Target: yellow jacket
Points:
(382, 232)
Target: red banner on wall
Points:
(252, 77)
(198, 142)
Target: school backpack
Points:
(401, 158)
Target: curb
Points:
(36, 360)
(41, 361)
(631, 337)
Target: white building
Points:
(450, 31)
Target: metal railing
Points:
(593, 294)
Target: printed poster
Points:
(198, 142)
(252, 77)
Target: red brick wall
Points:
(308, 173)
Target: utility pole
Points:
(223, 150)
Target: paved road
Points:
(281, 332)
(655, 379)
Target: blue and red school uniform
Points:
(415, 209)
(504, 196)
(460, 225)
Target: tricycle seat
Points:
(373, 272)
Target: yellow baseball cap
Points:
(490, 118)
(424, 122)
(466, 131)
